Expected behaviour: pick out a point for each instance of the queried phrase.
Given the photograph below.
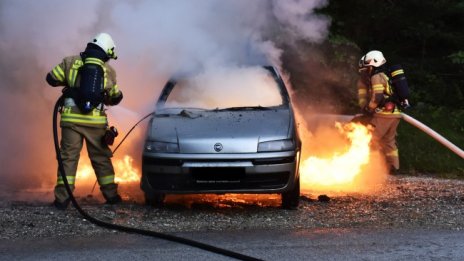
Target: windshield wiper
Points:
(182, 113)
(245, 108)
(189, 114)
(178, 110)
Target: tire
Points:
(155, 200)
(291, 198)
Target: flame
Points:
(340, 170)
(85, 171)
(124, 170)
(225, 200)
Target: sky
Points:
(154, 40)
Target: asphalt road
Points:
(314, 244)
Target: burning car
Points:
(227, 131)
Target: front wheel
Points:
(155, 200)
(291, 198)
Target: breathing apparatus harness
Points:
(90, 92)
(98, 222)
(399, 88)
(399, 91)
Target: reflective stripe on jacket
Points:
(381, 90)
(66, 73)
(72, 114)
(363, 90)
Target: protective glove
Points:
(405, 104)
(112, 96)
(114, 91)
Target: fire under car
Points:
(226, 131)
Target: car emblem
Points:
(218, 147)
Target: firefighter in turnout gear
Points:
(90, 84)
(374, 91)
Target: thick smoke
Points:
(301, 24)
(154, 39)
(260, 87)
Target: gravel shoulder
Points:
(404, 202)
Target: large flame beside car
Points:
(125, 171)
(123, 167)
(340, 169)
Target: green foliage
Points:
(338, 47)
(457, 58)
(426, 38)
(419, 153)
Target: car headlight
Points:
(276, 145)
(158, 146)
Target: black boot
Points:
(113, 200)
(61, 205)
(394, 172)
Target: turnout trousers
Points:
(385, 136)
(72, 138)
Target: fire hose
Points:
(123, 139)
(433, 134)
(126, 229)
(364, 119)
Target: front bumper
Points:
(273, 172)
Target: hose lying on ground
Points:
(104, 224)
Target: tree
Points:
(426, 37)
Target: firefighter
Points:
(374, 91)
(89, 123)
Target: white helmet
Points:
(104, 41)
(372, 58)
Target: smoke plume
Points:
(154, 39)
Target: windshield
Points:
(227, 88)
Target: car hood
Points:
(235, 131)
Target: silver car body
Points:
(228, 150)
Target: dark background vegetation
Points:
(425, 37)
